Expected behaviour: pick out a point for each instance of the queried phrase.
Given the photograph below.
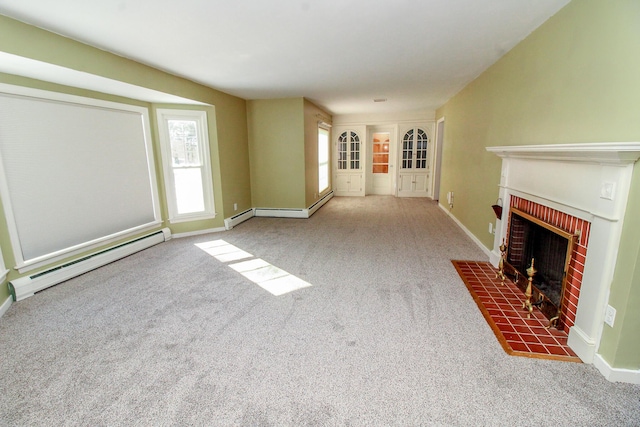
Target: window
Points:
(381, 152)
(323, 159)
(349, 151)
(75, 173)
(187, 165)
(414, 149)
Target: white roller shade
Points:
(75, 173)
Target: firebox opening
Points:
(551, 247)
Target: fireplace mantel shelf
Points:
(614, 153)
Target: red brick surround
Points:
(572, 225)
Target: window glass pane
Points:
(421, 149)
(355, 151)
(323, 159)
(342, 151)
(380, 153)
(188, 190)
(183, 135)
(407, 150)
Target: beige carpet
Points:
(387, 334)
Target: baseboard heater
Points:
(231, 222)
(25, 287)
(293, 213)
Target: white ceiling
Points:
(340, 54)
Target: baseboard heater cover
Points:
(293, 213)
(231, 222)
(317, 205)
(282, 212)
(26, 286)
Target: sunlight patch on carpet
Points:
(267, 276)
(223, 251)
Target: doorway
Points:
(381, 163)
(438, 164)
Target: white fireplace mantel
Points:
(613, 153)
(590, 181)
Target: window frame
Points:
(24, 264)
(163, 116)
(326, 164)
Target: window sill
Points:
(192, 218)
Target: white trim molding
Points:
(614, 153)
(5, 306)
(198, 232)
(616, 374)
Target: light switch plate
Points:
(607, 190)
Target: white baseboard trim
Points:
(494, 258)
(5, 306)
(198, 232)
(616, 374)
(581, 344)
(484, 249)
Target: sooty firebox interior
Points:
(550, 247)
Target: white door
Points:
(415, 163)
(380, 164)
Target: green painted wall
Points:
(574, 79)
(276, 152)
(227, 119)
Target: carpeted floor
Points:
(387, 334)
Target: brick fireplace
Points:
(575, 270)
(582, 189)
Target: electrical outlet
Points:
(490, 228)
(610, 316)
(235, 206)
